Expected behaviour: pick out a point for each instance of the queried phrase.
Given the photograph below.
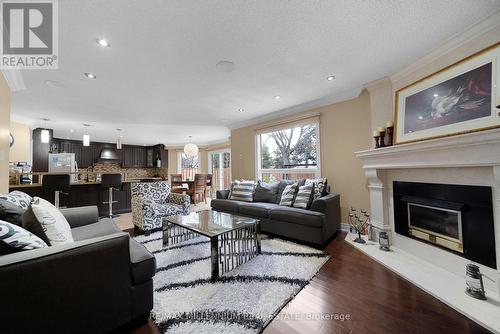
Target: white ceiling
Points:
(158, 80)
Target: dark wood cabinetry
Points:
(155, 153)
(40, 152)
(134, 156)
(131, 156)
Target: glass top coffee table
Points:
(234, 239)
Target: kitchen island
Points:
(87, 193)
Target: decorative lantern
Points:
(383, 240)
(474, 282)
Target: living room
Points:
(267, 167)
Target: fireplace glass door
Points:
(438, 225)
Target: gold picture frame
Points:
(457, 99)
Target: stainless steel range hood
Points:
(108, 154)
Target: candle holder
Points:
(382, 138)
(390, 135)
(359, 223)
(377, 143)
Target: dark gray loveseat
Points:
(98, 283)
(315, 226)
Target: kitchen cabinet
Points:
(131, 156)
(150, 157)
(40, 152)
(140, 157)
(65, 147)
(87, 159)
(127, 156)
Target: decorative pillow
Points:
(14, 239)
(284, 183)
(289, 194)
(11, 212)
(319, 187)
(19, 198)
(304, 196)
(242, 191)
(54, 224)
(31, 224)
(266, 192)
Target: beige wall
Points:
(21, 150)
(4, 134)
(344, 129)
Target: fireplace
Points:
(438, 222)
(458, 218)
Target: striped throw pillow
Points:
(288, 194)
(303, 198)
(242, 191)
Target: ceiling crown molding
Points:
(14, 79)
(336, 98)
(376, 84)
(451, 44)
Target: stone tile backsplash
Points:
(130, 173)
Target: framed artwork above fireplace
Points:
(457, 99)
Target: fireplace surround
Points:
(457, 218)
(471, 159)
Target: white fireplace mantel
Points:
(468, 150)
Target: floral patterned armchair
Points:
(151, 201)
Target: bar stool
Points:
(59, 184)
(110, 182)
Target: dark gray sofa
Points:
(97, 284)
(315, 226)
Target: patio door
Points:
(219, 165)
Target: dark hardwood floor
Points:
(375, 299)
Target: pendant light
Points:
(119, 140)
(86, 137)
(45, 134)
(191, 150)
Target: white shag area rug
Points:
(243, 300)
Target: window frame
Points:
(258, 148)
(179, 161)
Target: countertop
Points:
(83, 183)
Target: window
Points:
(289, 152)
(187, 166)
(219, 165)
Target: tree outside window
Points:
(289, 153)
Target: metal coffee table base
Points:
(227, 250)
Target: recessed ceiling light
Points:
(330, 78)
(53, 83)
(420, 117)
(241, 109)
(103, 42)
(90, 75)
(277, 97)
(224, 66)
(436, 95)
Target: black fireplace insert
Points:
(458, 218)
